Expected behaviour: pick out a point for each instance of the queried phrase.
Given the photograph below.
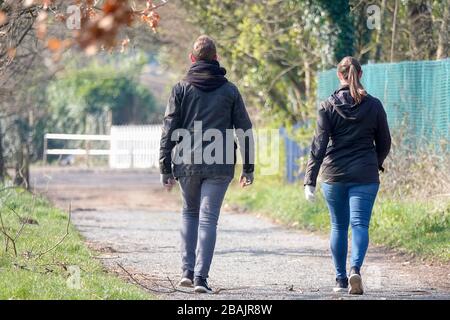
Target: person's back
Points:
(198, 150)
(202, 109)
(213, 108)
(351, 155)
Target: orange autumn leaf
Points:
(125, 44)
(151, 19)
(3, 18)
(54, 44)
(11, 53)
(101, 26)
(60, 17)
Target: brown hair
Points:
(204, 48)
(350, 69)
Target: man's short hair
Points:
(204, 48)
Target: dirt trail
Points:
(130, 221)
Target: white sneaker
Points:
(187, 279)
(355, 282)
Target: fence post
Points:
(131, 157)
(44, 155)
(88, 147)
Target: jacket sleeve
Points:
(318, 147)
(244, 133)
(170, 124)
(382, 137)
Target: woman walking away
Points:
(351, 142)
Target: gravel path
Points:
(131, 223)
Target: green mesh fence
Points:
(416, 96)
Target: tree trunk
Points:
(22, 176)
(443, 44)
(308, 81)
(22, 167)
(381, 32)
(2, 159)
(421, 30)
(394, 31)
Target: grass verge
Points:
(419, 228)
(39, 227)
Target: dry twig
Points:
(8, 236)
(39, 255)
(145, 287)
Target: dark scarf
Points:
(206, 75)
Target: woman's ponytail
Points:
(350, 68)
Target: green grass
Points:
(420, 228)
(28, 276)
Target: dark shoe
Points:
(201, 285)
(355, 281)
(341, 285)
(187, 279)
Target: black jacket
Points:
(351, 141)
(204, 96)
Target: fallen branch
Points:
(145, 287)
(177, 290)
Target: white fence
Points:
(129, 146)
(134, 147)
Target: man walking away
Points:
(203, 101)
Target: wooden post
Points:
(44, 154)
(394, 30)
(88, 147)
(131, 157)
(2, 159)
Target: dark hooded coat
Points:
(205, 96)
(351, 140)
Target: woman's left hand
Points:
(310, 193)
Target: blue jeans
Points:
(349, 204)
(202, 200)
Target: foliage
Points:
(274, 48)
(35, 35)
(416, 171)
(97, 89)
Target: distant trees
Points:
(34, 38)
(271, 47)
(408, 30)
(274, 48)
(91, 98)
